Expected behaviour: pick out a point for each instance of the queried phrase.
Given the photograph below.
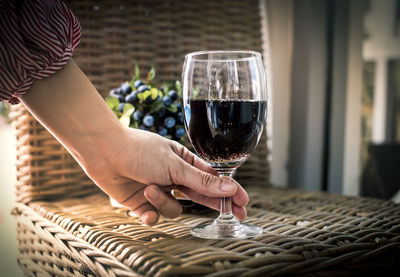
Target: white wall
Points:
(352, 142)
(277, 25)
(380, 46)
(308, 95)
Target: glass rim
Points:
(251, 55)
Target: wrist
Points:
(97, 144)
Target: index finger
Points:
(193, 160)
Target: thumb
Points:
(203, 182)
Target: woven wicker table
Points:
(314, 234)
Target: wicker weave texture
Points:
(161, 33)
(114, 33)
(46, 249)
(305, 234)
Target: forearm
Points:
(70, 107)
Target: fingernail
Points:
(227, 186)
(153, 193)
(149, 218)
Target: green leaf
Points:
(166, 86)
(178, 88)
(137, 71)
(157, 105)
(154, 93)
(151, 75)
(141, 97)
(125, 120)
(112, 103)
(117, 113)
(146, 94)
(173, 108)
(128, 110)
(135, 124)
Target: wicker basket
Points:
(114, 34)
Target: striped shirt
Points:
(37, 38)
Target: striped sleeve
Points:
(37, 38)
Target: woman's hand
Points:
(136, 168)
(144, 167)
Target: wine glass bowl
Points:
(225, 103)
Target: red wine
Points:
(225, 131)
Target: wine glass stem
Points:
(226, 206)
(226, 216)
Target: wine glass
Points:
(224, 104)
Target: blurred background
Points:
(335, 89)
(334, 110)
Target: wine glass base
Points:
(218, 231)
